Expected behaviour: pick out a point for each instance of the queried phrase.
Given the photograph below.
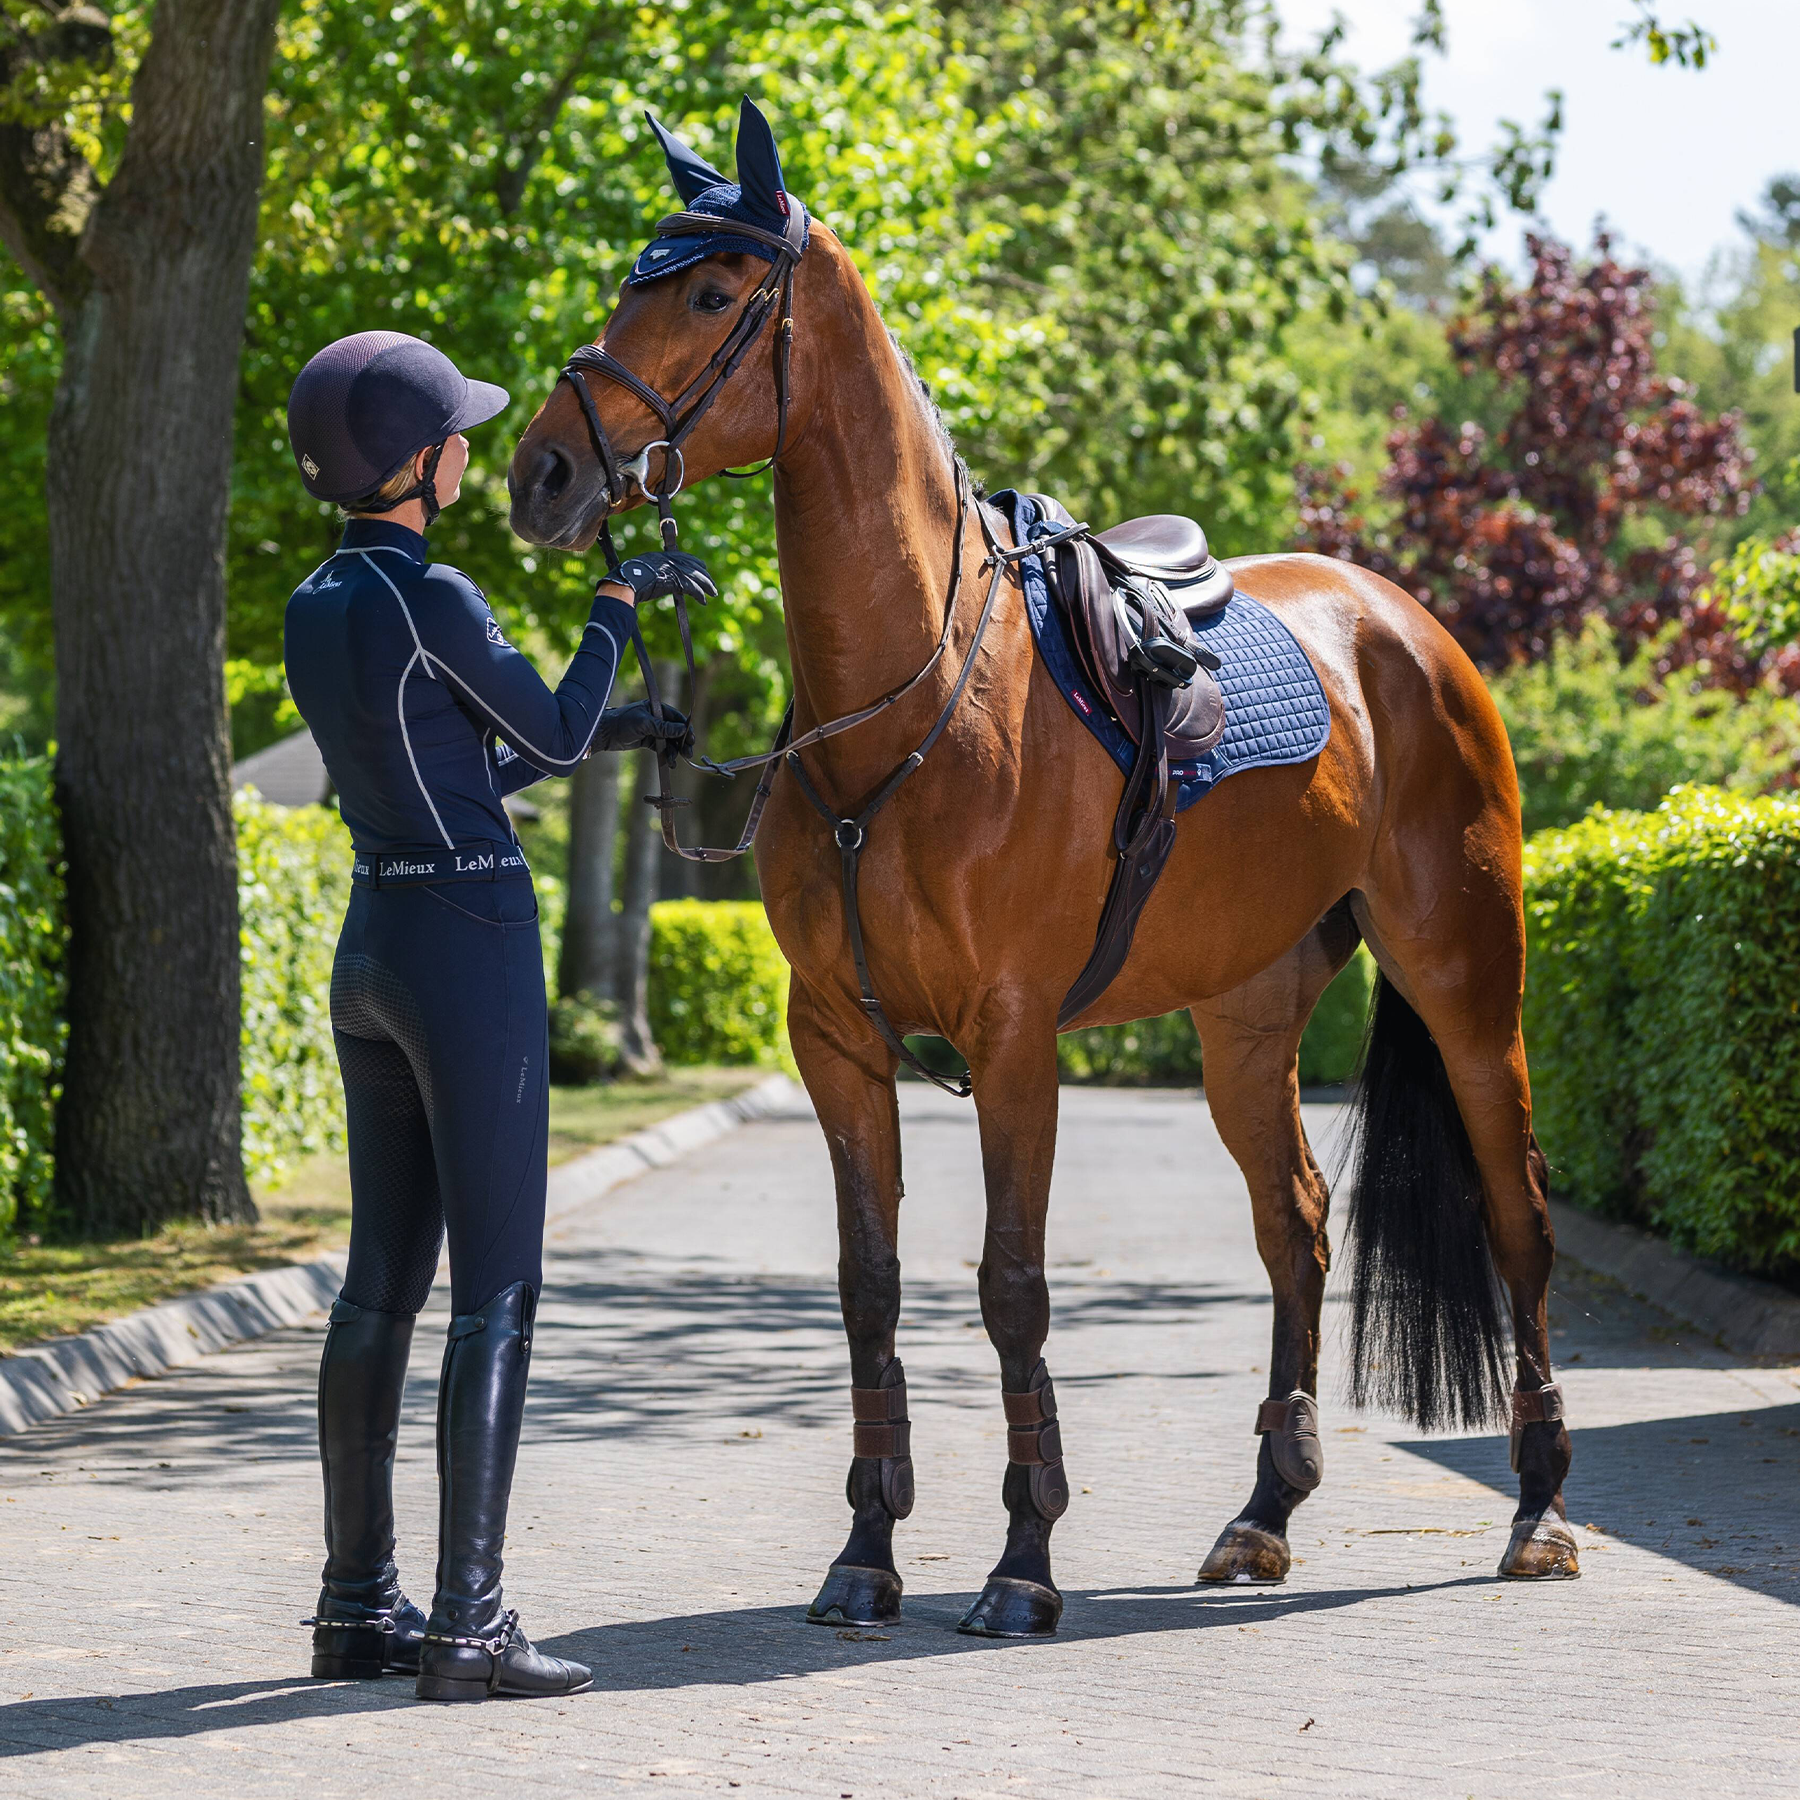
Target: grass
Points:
(52, 1290)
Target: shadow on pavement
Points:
(627, 1347)
(740, 1647)
(1718, 1492)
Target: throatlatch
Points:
(1034, 1443)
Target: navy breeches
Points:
(437, 1006)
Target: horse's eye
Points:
(710, 300)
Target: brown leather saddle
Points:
(1129, 598)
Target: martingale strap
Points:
(851, 831)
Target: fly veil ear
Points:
(759, 178)
(692, 174)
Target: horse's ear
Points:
(693, 175)
(758, 166)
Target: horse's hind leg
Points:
(1452, 1021)
(1250, 1042)
(850, 1078)
(1015, 1096)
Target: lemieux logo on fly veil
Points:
(311, 468)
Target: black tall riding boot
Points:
(364, 1624)
(473, 1644)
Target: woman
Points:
(427, 718)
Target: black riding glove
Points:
(666, 574)
(636, 727)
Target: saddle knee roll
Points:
(884, 1437)
(1292, 1428)
(1034, 1443)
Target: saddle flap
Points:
(1105, 638)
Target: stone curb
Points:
(48, 1380)
(1754, 1318)
(574, 1184)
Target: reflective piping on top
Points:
(406, 739)
(410, 626)
(516, 737)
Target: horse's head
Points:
(688, 376)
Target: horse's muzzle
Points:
(551, 501)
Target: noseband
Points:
(680, 415)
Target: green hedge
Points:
(1662, 1015)
(293, 883)
(718, 984)
(718, 993)
(32, 933)
(1166, 1051)
(293, 887)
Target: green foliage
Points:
(1592, 728)
(584, 1041)
(1166, 1051)
(1689, 46)
(33, 931)
(1759, 587)
(718, 984)
(1161, 1052)
(1332, 1047)
(1662, 1014)
(1732, 341)
(293, 887)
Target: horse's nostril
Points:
(552, 472)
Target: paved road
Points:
(680, 1494)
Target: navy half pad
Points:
(1275, 707)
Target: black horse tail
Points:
(1428, 1339)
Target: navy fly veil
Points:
(1275, 706)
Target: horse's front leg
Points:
(850, 1076)
(1015, 1096)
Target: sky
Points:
(1669, 155)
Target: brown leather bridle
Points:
(680, 415)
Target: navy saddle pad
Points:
(1275, 707)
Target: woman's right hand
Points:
(663, 574)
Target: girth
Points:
(1156, 679)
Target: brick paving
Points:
(680, 1493)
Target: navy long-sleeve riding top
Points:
(425, 715)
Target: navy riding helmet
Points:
(366, 405)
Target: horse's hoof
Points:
(1011, 1608)
(1541, 1550)
(1248, 1556)
(856, 1596)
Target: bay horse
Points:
(982, 880)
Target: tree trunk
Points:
(643, 867)
(588, 961)
(139, 474)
